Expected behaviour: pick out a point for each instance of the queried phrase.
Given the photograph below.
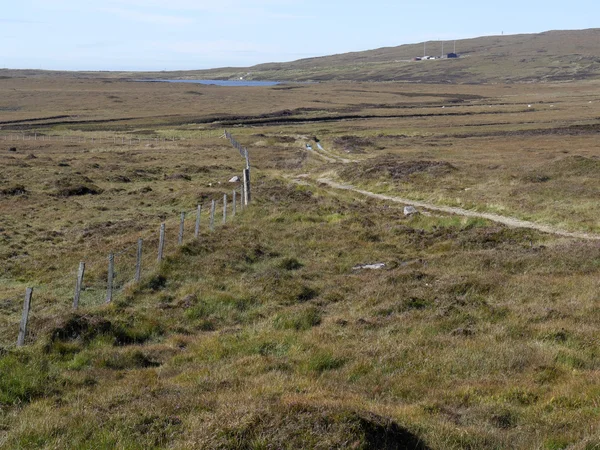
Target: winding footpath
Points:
(505, 220)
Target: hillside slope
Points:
(545, 57)
(549, 56)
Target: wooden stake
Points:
(225, 208)
(247, 196)
(181, 225)
(111, 275)
(24, 317)
(138, 264)
(234, 203)
(197, 229)
(161, 242)
(78, 285)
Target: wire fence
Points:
(99, 281)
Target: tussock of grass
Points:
(301, 319)
(23, 378)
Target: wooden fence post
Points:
(138, 264)
(247, 196)
(24, 317)
(78, 285)
(111, 275)
(161, 242)
(224, 208)
(234, 203)
(212, 216)
(181, 226)
(197, 229)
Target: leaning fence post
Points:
(234, 203)
(161, 242)
(181, 225)
(212, 216)
(246, 186)
(24, 317)
(78, 285)
(225, 208)
(138, 264)
(197, 230)
(111, 275)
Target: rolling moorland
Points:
(267, 333)
(553, 56)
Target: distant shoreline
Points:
(240, 83)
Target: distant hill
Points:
(548, 56)
(552, 56)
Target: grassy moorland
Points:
(265, 334)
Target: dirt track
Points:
(505, 220)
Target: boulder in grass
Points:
(235, 179)
(410, 210)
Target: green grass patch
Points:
(299, 320)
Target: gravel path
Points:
(505, 220)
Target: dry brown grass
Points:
(262, 335)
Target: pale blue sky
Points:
(187, 34)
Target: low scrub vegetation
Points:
(315, 318)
